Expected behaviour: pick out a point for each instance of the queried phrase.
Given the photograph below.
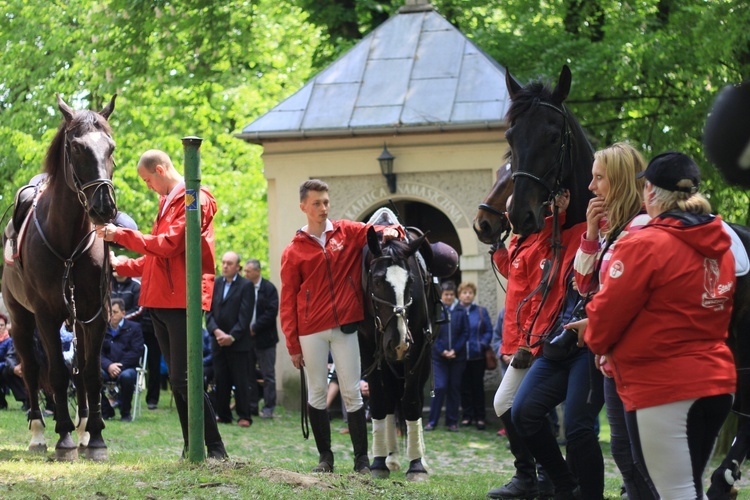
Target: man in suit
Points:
(121, 351)
(263, 330)
(228, 322)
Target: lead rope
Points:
(304, 417)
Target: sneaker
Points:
(453, 428)
(126, 418)
(152, 406)
(429, 427)
(266, 413)
(481, 425)
(244, 422)
(501, 432)
(515, 489)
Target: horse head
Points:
(491, 220)
(548, 151)
(87, 147)
(389, 288)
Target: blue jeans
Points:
(575, 381)
(447, 374)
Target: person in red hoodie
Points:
(162, 270)
(321, 303)
(662, 319)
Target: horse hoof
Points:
(96, 454)
(38, 448)
(380, 473)
(66, 454)
(417, 477)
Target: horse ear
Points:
(415, 244)
(373, 242)
(513, 86)
(66, 110)
(109, 108)
(563, 85)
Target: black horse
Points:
(61, 274)
(395, 342)
(549, 152)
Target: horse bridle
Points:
(398, 311)
(565, 150)
(79, 187)
(552, 268)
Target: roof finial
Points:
(416, 6)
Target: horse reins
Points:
(549, 276)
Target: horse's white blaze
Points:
(398, 277)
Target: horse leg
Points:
(82, 411)
(415, 451)
(93, 333)
(49, 331)
(378, 410)
(23, 340)
(392, 443)
(413, 403)
(724, 477)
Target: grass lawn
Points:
(268, 460)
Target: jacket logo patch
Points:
(516, 262)
(712, 297)
(336, 245)
(542, 263)
(616, 269)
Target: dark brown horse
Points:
(491, 221)
(61, 274)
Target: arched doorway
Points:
(430, 220)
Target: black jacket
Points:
(231, 314)
(266, 334)
(126, 347)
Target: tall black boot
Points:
(524, 483)
(182, 412)
(584, 457)
(358, 431)
(211, 434)
(321, 427)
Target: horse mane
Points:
(396, 249)
(83, 122)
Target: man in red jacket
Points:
(321, 302)
(162, 270)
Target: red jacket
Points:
(523, 266)
(663, 312)
(163, 267)
(322, 289)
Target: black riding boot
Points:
(321, 427)
(585, 460)
(214, 444)
(358, 432)
(182, 412)
(524, 483)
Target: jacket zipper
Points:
(354, 291)
(330, 284)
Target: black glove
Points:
(497, 245)
(522, 359)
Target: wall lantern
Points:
(386, 168)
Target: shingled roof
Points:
(414, 73)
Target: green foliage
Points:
(190, 68)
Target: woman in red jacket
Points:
(662, 318)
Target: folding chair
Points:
(140, 382)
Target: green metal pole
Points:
(191, 146)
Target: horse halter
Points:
(565, 150)
(79, 187)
